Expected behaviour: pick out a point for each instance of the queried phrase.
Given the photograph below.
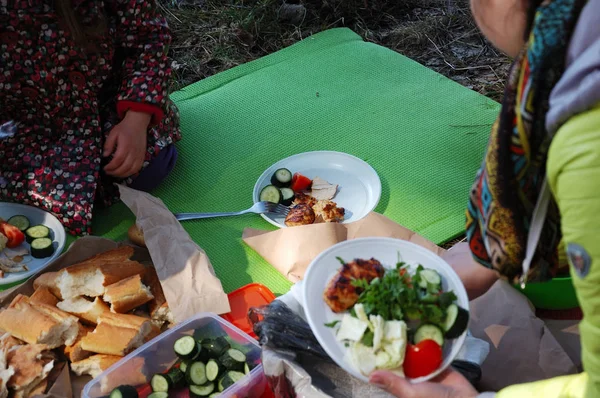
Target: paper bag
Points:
(290, 250)
(522, 348)
(185, 272)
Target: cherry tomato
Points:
(14, 235)
(300, 182)
(422, 359)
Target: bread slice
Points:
(158, 306)
(117, 334)
(30, 365)
(127, 294)
(43, 295)
(76, 352)
(32, 326)
(86, 310)
(48, 280)
(94, 365)
(91, 278)
(69, 322)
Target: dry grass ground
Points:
(214, 35)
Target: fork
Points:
(258, 208)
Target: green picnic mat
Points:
(423, 133)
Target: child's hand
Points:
(129, 137)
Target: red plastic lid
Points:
(244, 298)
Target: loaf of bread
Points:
(136, 236)
(117, 334)
(158, 306)
(127, 294)
(94, 365)
(87, 310)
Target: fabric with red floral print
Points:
(66, 97)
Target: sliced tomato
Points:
(422, 359)
(13, 234)
(300, 183)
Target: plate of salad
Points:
(386, 304)
(30, 239)
(320, 186)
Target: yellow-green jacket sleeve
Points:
(574, 177)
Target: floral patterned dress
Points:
(67, 98)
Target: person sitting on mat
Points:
(85, 82)
(537, 194)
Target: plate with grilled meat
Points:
(372, 302)
(321, 186)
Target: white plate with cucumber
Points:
(359, 186)
(44, 239)
(397, 306)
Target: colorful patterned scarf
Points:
(508, 185)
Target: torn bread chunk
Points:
(322, 190)
(70, 322)
(75, 352)
(26, 323)
(48, 280)
(118, 334)
(43, 295)
(86, 310)
(31, 363)
(94, 365)
(91, 278)
(158, 306)
(127, 294)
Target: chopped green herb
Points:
(332, 324)
(446, 299)
(341, 260)
(368, 338)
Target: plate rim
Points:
(256, 189)
(49, 260)
(459, 341)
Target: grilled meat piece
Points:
(300, 215)
(328, 211)
(304, 199)
(339, 293)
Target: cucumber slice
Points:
(36, 232)
(246, 368)
(160, 383)
(216, 347)
(287, 196)
(124, 391)
(229, 379)
(429, 332)
(202, 391)
(159, 394)
(270, 193)
(456, 322)
(213, 370)
(41, 248)
(184, 365)
(175, 376)
(215, 394)
(196, 373)
(233, 359)
(282, 178)
(20, 222)
(430, 280)
(186, 348)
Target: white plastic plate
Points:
(359, 186)
(386, 250)
(36, 216)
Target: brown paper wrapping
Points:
(290, 250)
(185, 272)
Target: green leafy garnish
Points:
(367, 338)
(341, 260)
(332, 324)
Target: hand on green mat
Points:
(129, 138)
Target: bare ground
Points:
(214, 35)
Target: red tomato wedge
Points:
(300, 183)
(14, 235)
(422, 359)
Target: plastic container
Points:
(157, 356)
(244, 298)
